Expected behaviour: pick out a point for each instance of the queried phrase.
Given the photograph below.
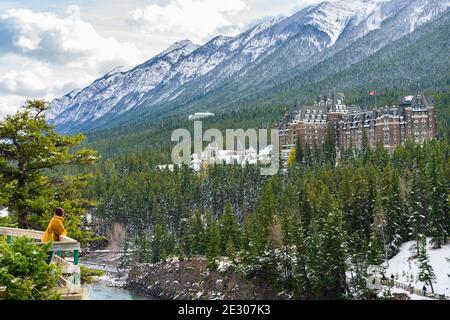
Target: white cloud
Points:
(44, 55)
(9, 104)
(68, 40)
(28, 78)
(194, 19)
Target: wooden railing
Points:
(70, 271)
(407, 287)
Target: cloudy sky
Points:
(50, 47)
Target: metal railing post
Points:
(76, 276)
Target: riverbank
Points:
(190, 279)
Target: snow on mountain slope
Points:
(403, 267)
(98, 99)
(425, 10)
(332, 17)
(272, 48)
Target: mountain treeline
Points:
(304, 230)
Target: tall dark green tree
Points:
(198, 233)
(265, 216)
(299, 154)
(185, 238)
(416, 221)
(329, 249)
(394, 210)
(24, 272)
(362, 204)
(329, 146)
(438, 193)
(229, 229)
(365, 146)
(303, 286)
(213, 249)
(426, 272)
(30, 145)
(375, 250)
(346, 195)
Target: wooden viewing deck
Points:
(69, 281)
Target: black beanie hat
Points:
(59, 212)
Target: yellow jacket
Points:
(54, 230)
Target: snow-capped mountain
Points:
(98, 99)
(275, 49)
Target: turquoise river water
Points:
(100, 291)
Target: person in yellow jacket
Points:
(55, 229)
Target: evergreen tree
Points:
(348, 153)
(213, 246)
(426, 273)
(185, 238)
(30, 145)
(329, 249)
(125, 258)
(362, 204)
(379, 226)
(230, 250)
(25, 273)
(299, 154)
(197, 230)
(265, 216)
(380, 156)
(303, 284)
(144, 252)
(3, 188)
(416, 221)
(394, 212)
(309, 157)
(229, 229)
(438, 192)
(375, 250)
(346, 195)
(305, 207)
(365, 146)
(248, 239)
(329, 146)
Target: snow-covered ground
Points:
(404, 268)
(3, 213)
(412, 296)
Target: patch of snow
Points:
(402, 266)
(223, 266)
(399, 290)
(4, 213)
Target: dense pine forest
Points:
(315, 231)
(95, 164)
(302, 230)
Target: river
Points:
(101, 291)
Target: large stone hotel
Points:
(414, 118)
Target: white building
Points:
(200, 115)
